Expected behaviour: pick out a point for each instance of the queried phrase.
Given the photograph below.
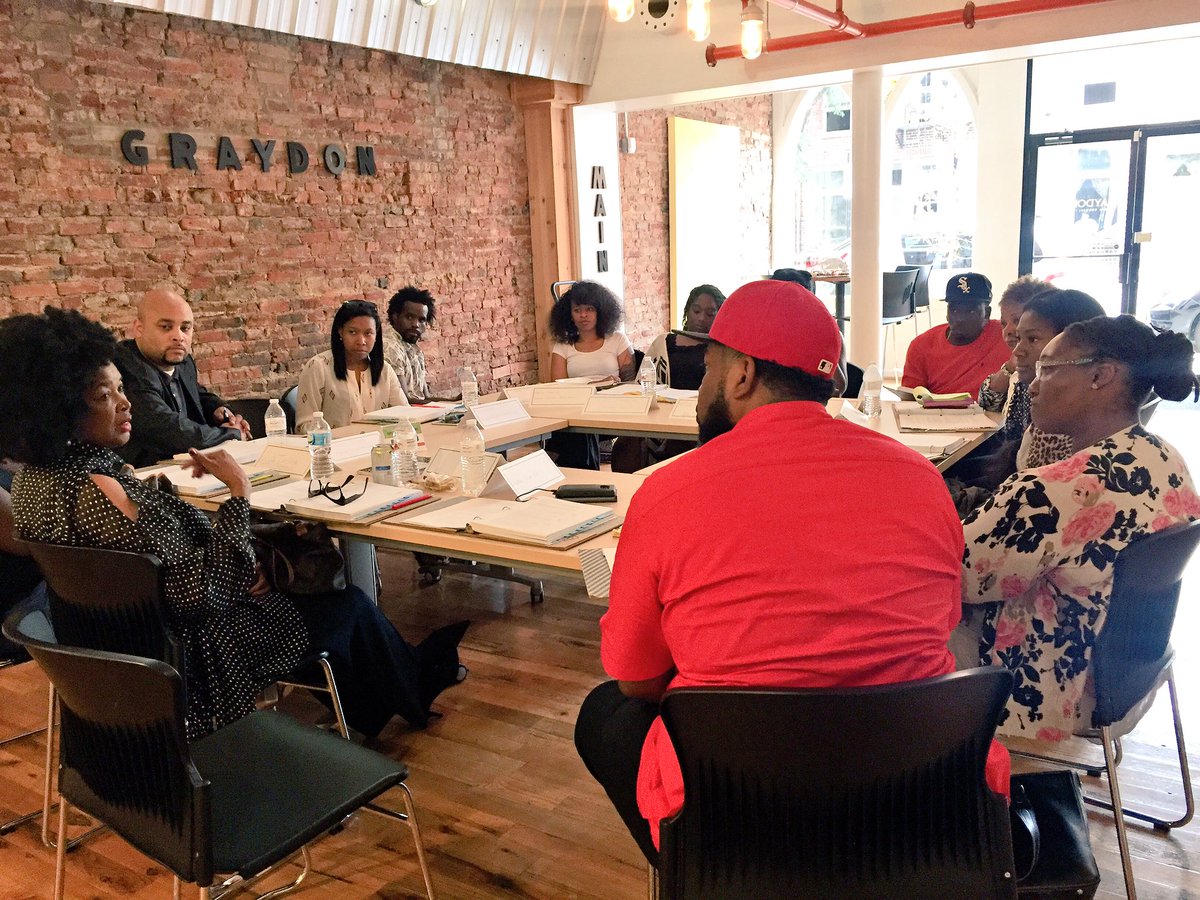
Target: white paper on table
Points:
(182, 479)
(852, 413)
(610, 405)
(561, 394)
(501, 412)
(454, 514)
(674, 395)
(246, 452)
(282, 458)
(523, 392)
(447, 461)
(684, 409)
(531, 472)
(396, 413)
(910, 416)
(352, 447)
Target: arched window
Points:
(929, 200)
(822, 178)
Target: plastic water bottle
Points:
(470, 387)
(404, 452)
(320, 449)
(274, 420)
(645, 376)
(872, 385)
(474, 459)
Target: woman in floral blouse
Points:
(1041, 551)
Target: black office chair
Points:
(89, 611)
(898, 300)
(1132, 658)
(920, 291)
(854, 380)
(840, 793)
(238, 801)
(252, 409)
(288, 402)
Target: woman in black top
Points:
(678, 363)
(63, 412)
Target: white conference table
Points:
(887, 424)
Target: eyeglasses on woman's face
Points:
(335, 492)
(1043, 366)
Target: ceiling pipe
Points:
(967, 17)
(836, 21)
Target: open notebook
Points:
(544, 520)
(379, 501)
(206, 485)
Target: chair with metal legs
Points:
(1131, 659)
(239, 801)
(15, 658)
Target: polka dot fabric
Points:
(235, 644)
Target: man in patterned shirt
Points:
(410, 310)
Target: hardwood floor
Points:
(506, 807)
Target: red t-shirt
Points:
(795, 551)
(935, 363)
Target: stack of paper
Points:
(393, 414)
(544, 520)
(379, 501)
(206, 485)
(911, 417)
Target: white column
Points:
(866, 286)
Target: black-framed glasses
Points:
(335, 492)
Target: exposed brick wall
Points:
(645, 214)
(263, 257)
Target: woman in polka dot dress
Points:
(62, 412)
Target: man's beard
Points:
(716, 421)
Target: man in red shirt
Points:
(957, 356)
(791, 549)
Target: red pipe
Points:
(834, 20)
(967, 17)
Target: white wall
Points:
(595, 135)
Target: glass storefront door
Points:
(1079, 220)
(1110, 212)
(1167, 277)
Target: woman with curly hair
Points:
(584, 324)
(63, 413)
(350, 378)
(1040, 552)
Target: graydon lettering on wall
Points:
(183, 151)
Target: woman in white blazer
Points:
(350, 378)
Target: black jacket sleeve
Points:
(158, 431)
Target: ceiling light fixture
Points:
(699, 20)
(754, 29)
(621, 10)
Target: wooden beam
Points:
(549, 157)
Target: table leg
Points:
(839, 305)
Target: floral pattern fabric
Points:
(1041, 552)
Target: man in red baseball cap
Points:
(791, 549)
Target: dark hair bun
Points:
(1170, 367)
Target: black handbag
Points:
(1051, 847)
(299, 558)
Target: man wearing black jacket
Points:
(171, 411)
